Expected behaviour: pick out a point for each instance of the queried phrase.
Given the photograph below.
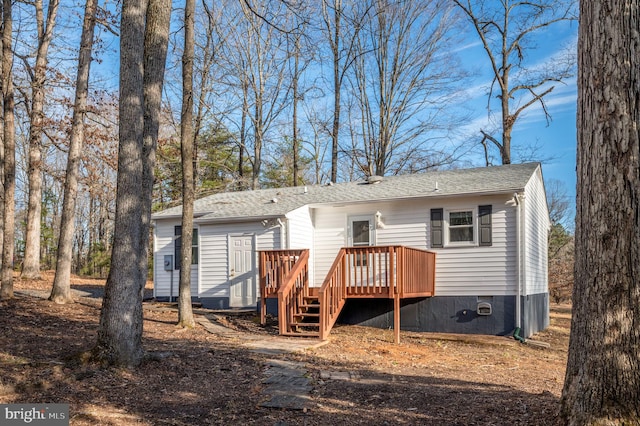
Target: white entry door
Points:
(242, 271)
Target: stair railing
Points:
(292, 292)
(274, 266)
(333, 294)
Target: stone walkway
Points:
(287, 383)
(288, 386)
(268, 345)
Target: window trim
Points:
(448, 227)
(358, 218)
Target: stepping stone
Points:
(288, 387)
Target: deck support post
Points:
(396, 318)
(263, 310)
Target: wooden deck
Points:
(391, 272)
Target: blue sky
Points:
(555, 140)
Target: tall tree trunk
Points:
(6, 288)
(337, 87)
(185, 312)
(61, 291)
(602, 383)
(1, 149)
(243, 131)
(31, 265)
(257, 144)
(155, 50)
(142, 64)
(508, 120)
(294, 118)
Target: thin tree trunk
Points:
(61, 291)
(185, 312)
(257, 144)
(243, 131)
(6, 288)
(142, 64)
(602, 383)
(335, 130)
(296, 77)
(31, 265)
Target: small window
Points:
(361, 235)
(178, 246)
(461, 226)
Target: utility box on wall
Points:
(168, 262)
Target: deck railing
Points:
(394, 272)
(371, 271)
(292, 293)
(384, 271)
(418, 272)
(274, 266)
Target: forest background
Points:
(292, 93)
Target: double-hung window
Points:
(178, 247)
(461, 227)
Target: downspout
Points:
(516, 332)
(284, 235)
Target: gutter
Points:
(436, 194)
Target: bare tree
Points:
(295, 82)
(255, 60)
(402, 79)
(31, 265)
(61, 291)
(560, 254)
(6, 288)
(341, 26)
(601, 383)
(301, 54)
(143, 48)
(317, 146)
(185, 311)
(505, 29)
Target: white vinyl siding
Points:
(536, 233)
(164, 245)
(300, 233)
(210, 278)
(481, 270)
(400, 223)
(329, 237)
(460, 271)
(214, 257)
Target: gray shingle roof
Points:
(277, 202)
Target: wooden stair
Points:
(393, 272)
(306, 320)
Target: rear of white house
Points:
(487, 226)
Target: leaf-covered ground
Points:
(207, 378)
